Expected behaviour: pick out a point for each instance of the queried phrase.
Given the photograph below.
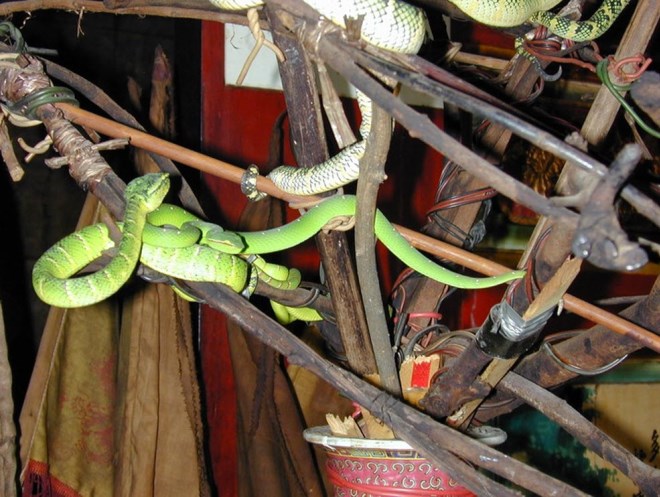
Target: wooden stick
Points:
(308, 133)
(175, 152)
(646, 477)
(549, 297)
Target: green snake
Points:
(171, 228)
(177, 256)
(210, 254)
(168, 250)
(185, 253)
(314, 220)
(257, 243)
(52, 273)
(400, 27)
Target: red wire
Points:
(404, 274)
(640, 62)
(463, 199)
(429, 315)
(542, 50)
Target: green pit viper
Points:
(208, 258)
(177, 243)
(314, 220)
(167, 250)
(51, 275)
(400, 27)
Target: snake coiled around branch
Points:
(52, 273)
(389, 24)
(397, 26)
(213, 254)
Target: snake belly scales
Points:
(400, 27)
(53, 272)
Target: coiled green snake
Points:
(209, 258)
(51, 274)
(400, 27)
(178, 256)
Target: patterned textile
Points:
(113, 406)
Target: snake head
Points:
(149, 190)
(228, 242)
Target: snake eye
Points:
(227, 241)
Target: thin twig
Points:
(14, 167)
(372, 174)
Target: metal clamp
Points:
(506, 334)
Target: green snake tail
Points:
(307, 225)
(52, 273)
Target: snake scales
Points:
(390, 24)
(397, 26)
(168, 250)
(51, 274)
(209, 258)
(509, 13)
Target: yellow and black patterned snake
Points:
(400, 27)
(509, 13)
